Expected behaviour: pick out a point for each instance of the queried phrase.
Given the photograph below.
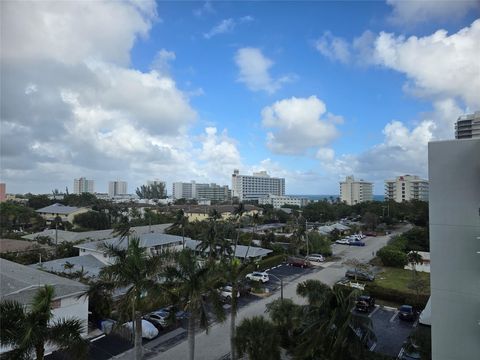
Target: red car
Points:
(370, 233)
(298, 262)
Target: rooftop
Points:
(20, 283)
(88, 263)
(240, 252)
(58, 209)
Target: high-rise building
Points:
(256, 186)
(355, 191)
(278, 201)
(406, 188)
(468, 126)
(454, 172)
(3, 193)
(82, 185)
(117, 188)
(192, 190)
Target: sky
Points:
(179, 91)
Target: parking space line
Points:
(394, 316)
(374, 311)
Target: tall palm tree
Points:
(258, 338)
(210, 235)
(28, 329)
(195, 285)
(414, 258)
(123, 229)
(287, 316)
(238, 212)
(133, 269)
(234, 271)
(182, 221)
(255, 221)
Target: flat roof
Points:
(240, 252)
(88, 263)
(58, 209)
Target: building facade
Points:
(355, 191)
(117, 188)
(192, 190)
(455, 248)
(406, 188)
(278, 201)
(256, 186)
(3, 192)
(468, 126)
(82, 185)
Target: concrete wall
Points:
(454, 171)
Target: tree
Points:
(196, 286)
(370, 220)
(286, 315)
(28, 331)
(258, 338)
(122, 229)
(392, 256)
(153, 191)
(238, 212)
(92, 220)
(133, 269)
(414, 258)
(182, 221)
(255, 221)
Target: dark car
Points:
(406, 312)
(365, 303)
(356, 243)
(370, 233)
(298, 262)
(360, 275)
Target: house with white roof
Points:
(66, 213)
(254, 252)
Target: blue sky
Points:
(310, 91)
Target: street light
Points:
(281, 285)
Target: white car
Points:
(226, 292)
(315, 258)
(149, 331)
(258, 276)
(342, 242)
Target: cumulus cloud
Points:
(298, 124)
(162, 60)
(206, 9)
(413, 12)
(254, 71)
(333, 47)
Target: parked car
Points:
(406, 312)
(258, 276)
(370, 233)
(342, 242)
(356, 243)
(365, 303)
(360, 275)
(160, 318)
(315, 258)
(226, 293)
(298, 262)
(149, 331)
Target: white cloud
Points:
(413, 12)
(333, 47)
(298, 124)
(438, 65)
(162, 60)
(254, 71)
(224, 26)
(205, 9)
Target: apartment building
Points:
(256, 186)
(192, 190)
(117, 188)
(468, 126)
(355, 191)
(455, 248)
(278, 201)
(406, 188)
(82, 185)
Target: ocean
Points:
(322, 197)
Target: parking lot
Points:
(390, 331)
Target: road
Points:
(216, 344)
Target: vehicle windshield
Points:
(405, 308)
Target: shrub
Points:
(397, 296)
(392, 256)
(270, 262)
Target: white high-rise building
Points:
(256, 186)
(193, 190)
(355, 191)
(117, 188)
(468, 126)
(454, 210)
(82, 185)
(406, 188)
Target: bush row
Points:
(397, 296)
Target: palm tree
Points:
(210, 235)
(28, 329)
(182, 221)
(234, 271)
(286, 315)
(133, 269)
(123, 229)
(414, 258)
(255, 221)
(238, 212)
(195, 285)
(330, 330)
(258, 338)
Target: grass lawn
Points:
(399, 279)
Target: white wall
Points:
(454, 171)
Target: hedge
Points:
(270, 262)
(397, 296)
(391, 256)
